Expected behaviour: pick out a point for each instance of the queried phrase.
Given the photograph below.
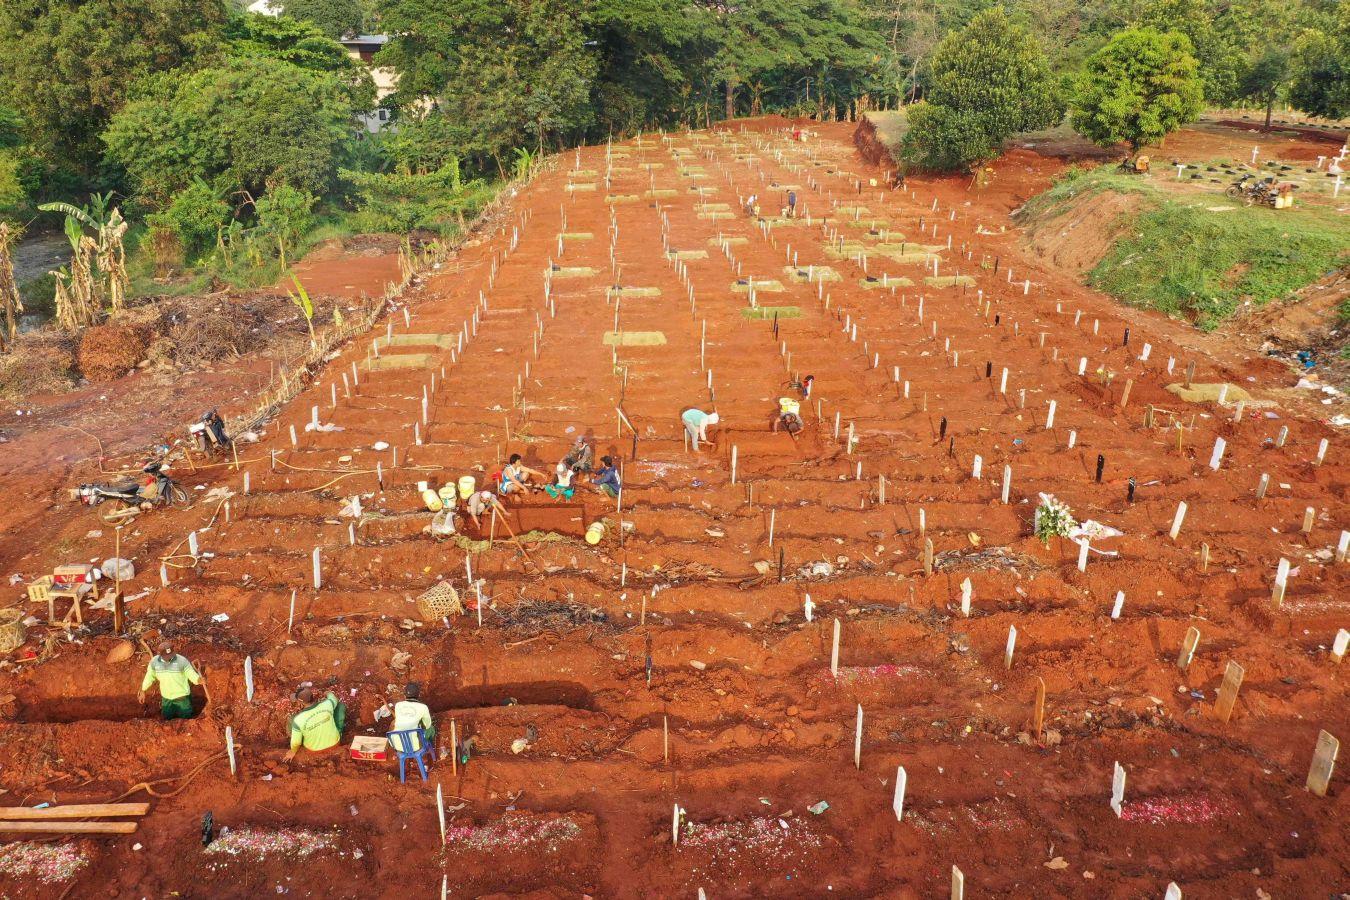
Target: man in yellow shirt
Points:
(411, 713)
(319, 725)
(175, 677)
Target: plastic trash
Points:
(818, 808)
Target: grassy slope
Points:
(1187, 260)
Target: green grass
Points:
(1186, 260)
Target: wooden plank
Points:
(71, 827)
(74, 811)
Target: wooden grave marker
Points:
(1188, 645)
(1228, 691)
(1323, 762)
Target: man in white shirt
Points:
(410, 712)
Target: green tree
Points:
(1217, 36)
(1321, 85)
(244, 126)
(13, 193)
(67, 65)
(300, 44)
(502, 73)
(1139, 88)
(1266, 77)
(335, 18)
(988, 81)
(949, 139)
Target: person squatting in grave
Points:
(175, 677)
(788, 416)
(581, 458)
(319, 725)
(481, 502)
(515, 477)
(606, 480)
(696, 424)
(561, 488)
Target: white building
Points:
(363, 47)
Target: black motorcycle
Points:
(1251, 189)
(157, 489)
(209, 432)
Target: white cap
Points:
(713, 418)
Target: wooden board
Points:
(71, 827)
(74, 811)
(1324, 760)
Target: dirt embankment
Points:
(1076, 237)
(870, 145)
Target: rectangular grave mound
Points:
(401, 361)
(577, 236)
(626, 293)
(573, 272)
(769, 312)
(729, 241)
(416, 340)
(942, 281)
(621, 198)
(713, 207)
(587, 186)
(761, 444)
(805, 275)
(716, 216)
(873, 283)
(687, 254)
(660, 193)
(634, 339)
(765, 286)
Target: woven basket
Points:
(441, 600)
(12, 632)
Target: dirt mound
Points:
(1076, 237)
(110, 351)
(1310, 322)
(36, 364)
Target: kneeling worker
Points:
(788, 416)
(319, 725)
(175, 676)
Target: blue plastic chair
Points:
(411, 744)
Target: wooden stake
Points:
(665, 738)
(1038, 713)
(834, 652)
(1188, 645)
(1324, 760)
(958, 884)
(928, 556)
(857, 740)
(1177, 520)
(1008, 652)
(454, 747)
(440, 811)
(1228, 691)
(898, 802)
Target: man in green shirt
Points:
(175, 676)
(319, 725)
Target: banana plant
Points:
(524, 162)
(300, 297)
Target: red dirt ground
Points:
(761, 729)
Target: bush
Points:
(285, 215)
(110, 351)
(941, 139)
(35, 364)
(195, 216)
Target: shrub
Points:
(110, 351)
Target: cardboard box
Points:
(370, 748)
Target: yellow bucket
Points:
(595, 533)
(466, 486)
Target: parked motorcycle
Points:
(1251, 189)
(156, 489)
(209, 432)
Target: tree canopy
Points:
(334, 18)
(988, 81)
(1139, 88)
(242, 126)
(68, 65)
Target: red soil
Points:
(761, 729)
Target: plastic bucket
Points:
(466, 486)
(595, 533)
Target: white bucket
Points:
(595, 533)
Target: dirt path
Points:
(595, 647)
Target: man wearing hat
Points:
(696, 423)
(175, 677)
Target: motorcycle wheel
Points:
(178, 498)
(1233, 192)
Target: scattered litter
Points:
(817, 808)
(380, 445)
(516, 830)
(258, 844)
(220, 617)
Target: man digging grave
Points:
(319, 725)
(175, 676)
